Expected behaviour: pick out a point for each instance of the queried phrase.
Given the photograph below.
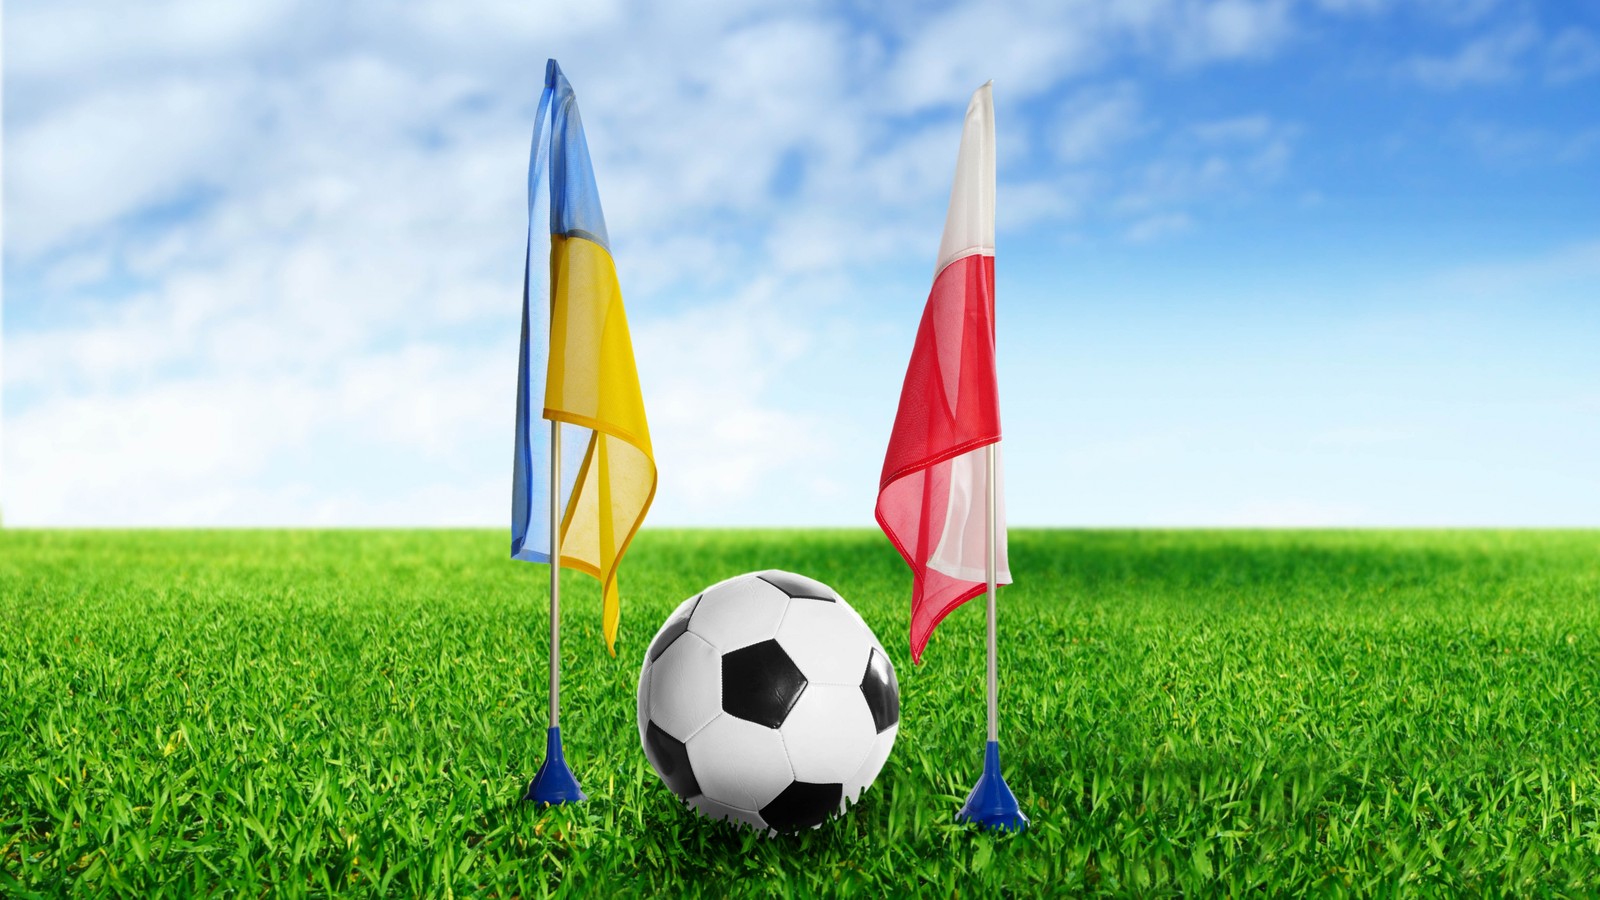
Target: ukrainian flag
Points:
(576, 367)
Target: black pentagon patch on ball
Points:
(802, 805)
(671, 631)
(760, 683)
(881, 690)
(671, 759)
(798, 586)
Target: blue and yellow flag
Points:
(576, 367)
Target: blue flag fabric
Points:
(574, 206)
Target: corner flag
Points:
(576, 370)
(939, 500)
(931, 498)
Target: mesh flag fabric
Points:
(576, 367)
(932, 494)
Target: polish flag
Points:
(933, 492)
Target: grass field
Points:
(1182, 712)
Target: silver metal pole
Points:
(555, 575)
(994, 678)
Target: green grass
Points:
(1182, 712)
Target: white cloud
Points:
(1231, 29)
(1365, 7)
(1511, 145)
(1237, 130)
(707, 374)
(1225, 158)
(120, 152)
(1572, 55)
(1458, 12)
(1030, 48)
(1158, 226)
(1095, 120)
(1026, 48)
(152, 456)
(1461, 12)
(1495, 58)
(76, 271)
(1021, 204)
(1565, 269)
(464, 26)
(61, 37)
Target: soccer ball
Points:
(767, 701)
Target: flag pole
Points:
(994, 666)
(555, 784)
(991, 804)
(555, 574)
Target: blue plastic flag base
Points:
(554, 783)
(991, 804)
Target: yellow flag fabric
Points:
(592, 382)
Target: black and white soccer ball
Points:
(766, 700)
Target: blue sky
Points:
(1259, 262)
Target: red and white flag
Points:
(932, 496)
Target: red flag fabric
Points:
(933, 491)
